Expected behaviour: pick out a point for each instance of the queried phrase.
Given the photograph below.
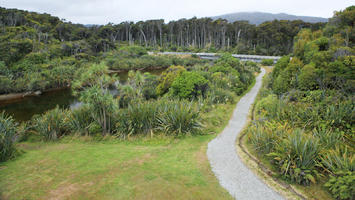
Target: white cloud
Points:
(116, 11)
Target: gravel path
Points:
(231, 172)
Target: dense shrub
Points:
(132, 51)
(308, 78)
(168, 77)
(149, 86)
(267, 62)
(6, 84)
(230, 79)
(342, 185)
(227, 60)
(280, 66)
(228, 70)
(189, 85)
(251, 66)
(8, 131)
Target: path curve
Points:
(231, 172)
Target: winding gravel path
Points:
(231, 172)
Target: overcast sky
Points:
(116, 11)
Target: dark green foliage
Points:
(189, 85)
(228, 78)
(117, 61)
(8, 131)
(342, 185)
(267, 62)
(149, 86)
(132, 51)
(288, 78)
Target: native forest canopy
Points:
(143, 117)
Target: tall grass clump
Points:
(179, 118)
(138, 118)
(80, 120)
(51, 125)
(219, 95)
(171, 117)
(338, 159)
(296, 157)
(7, 136)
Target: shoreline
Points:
(8, 98)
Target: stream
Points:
(24, 109)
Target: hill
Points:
(260, 17)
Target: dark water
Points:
(24, 109)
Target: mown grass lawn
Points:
(143, 168)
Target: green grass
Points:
(142, 168)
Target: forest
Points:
(34, 47)
(25, 32)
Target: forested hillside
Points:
(23, 32)
(260, 17)
(304, 121)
